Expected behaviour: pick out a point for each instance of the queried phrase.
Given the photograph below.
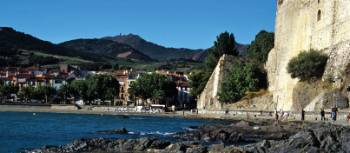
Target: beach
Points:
(73, 110)
(220, 115)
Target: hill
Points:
(18, 48)
(107, 48)
(158, 52)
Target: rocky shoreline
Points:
(238, 137)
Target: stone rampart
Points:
(303, 25)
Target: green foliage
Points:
(66, 91)
(308, 65)
(198, 80)
(261, 46)
(26, 93)
(8, 56)
(103, 87)
(244, 76)
(7, 90)
(105, 47)
(106, 86)
(153, 86)
(42, 93)
(225, 44)
(42, 60)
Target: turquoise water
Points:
(20, 131)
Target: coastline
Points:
(49, 109)
(68, 110)
(232, 116)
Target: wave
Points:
(189, 129)
(152, 133)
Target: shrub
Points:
(243, 77)
(308, 65)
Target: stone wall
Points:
(303, 25)
(209, 97)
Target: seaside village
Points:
(14, 80)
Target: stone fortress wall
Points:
(303, 25)
(209, 97)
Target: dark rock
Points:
(116, 131)
(216, 148)
(197, 149)
(316, 138)
(159, 144)
(193, 127)
(241, 132)
(176, 148)
(288, 137)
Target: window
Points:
(319, 1)
(319, 15)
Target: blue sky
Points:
(172, 23)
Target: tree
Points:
(101, 87)
(26, 93)
(259, 49)
(80, 88)
(244, 76)
(153, 86)
(225, 44)
(198, 80)
(308, 65)
(65, 91)
(44, 93)
(106, 86)
(8, 89)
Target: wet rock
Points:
(116, 131)
(241, 132)
(197, 149)
(288, 137)
(159, 144)
(176, 148)
(216, 148)
(314, 139)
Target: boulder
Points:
(116, 131)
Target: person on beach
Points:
(322, 115)
(348, 117)
(302, 115)
(276, 117)
(285, 116)
(334, 113)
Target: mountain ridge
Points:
(157, 51)
(19, 45)
(107, 48)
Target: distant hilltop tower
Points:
(302, 25)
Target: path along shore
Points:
(224, 115)
(71, 109)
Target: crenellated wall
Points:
(303, 25)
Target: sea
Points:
(25, 130)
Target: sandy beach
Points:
(233, 115)
(65, 109)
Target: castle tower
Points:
(302, 25)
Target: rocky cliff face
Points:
(303, 25)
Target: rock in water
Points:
(117, 131)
